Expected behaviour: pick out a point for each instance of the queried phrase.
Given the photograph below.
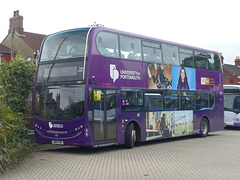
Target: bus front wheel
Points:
(204, 127)
(130, 136)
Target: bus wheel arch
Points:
(204, 126)
(132, 134)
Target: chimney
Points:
(17, 22)
(237, 61)
(222, 58)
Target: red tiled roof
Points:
(232, 68)
(33, 40)
(4, 49)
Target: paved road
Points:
(214, 157)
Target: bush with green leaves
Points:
(17, 80)
(4, 152)
(11, 135)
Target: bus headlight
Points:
(38, 127)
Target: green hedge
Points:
(12, 134)
(16, 80)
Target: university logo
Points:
(114, 74)
(50, 125)
(55, 125)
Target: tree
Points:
(17, 80)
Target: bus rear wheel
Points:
(204, 126)
(130, 136)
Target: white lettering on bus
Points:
(131, 75)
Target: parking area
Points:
(214, 157)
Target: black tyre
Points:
(130, 136)
(204, 127)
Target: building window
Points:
(238, 79)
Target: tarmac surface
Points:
(214, 157)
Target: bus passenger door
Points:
(105, 116)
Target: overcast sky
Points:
(209, 24)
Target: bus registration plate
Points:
(57, 142)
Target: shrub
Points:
(13, 134)
(4, 154)
(17, 80)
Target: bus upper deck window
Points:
(214, 62)
(170, 54)
(151, 52)
(107, 44)
(201, 60)
(186, 58)
(130, 48)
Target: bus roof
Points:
(102, 28)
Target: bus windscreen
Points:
(59, 103)
(64, 45)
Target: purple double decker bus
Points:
(97, 86)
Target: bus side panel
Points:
(135, 117)
(214, 117)
(211, 81)
(198, 115)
